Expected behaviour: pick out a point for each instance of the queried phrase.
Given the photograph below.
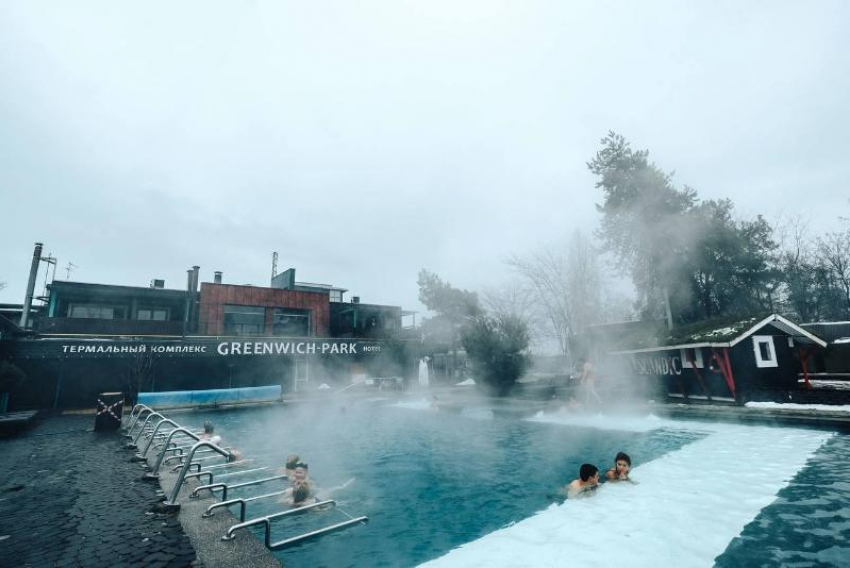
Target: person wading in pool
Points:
(588, 382)
(299, 478)
(587, 482)
(289, 468)
(209, 435)
(620, 471)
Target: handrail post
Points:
(172, 501)
(134, 414)
(153, 436)
(154, 474)
(135, 420)
(148, 419)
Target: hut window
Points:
(694, 355)
(765, 351)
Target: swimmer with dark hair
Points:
(209, 434)
(586, 484)
(622, 466)
(289, 467)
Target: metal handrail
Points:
(228, 464)
(201, 461)
(155, 430)
(134, 417)
(243, 472)
(181, 456)
(199, 475)
(155, 470)
(242, 502)
(266, 522)
(318, 532)
(269, 518)
(225, 487)
(148, 419)
(172, 502)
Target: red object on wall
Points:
(215, 296)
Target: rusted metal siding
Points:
(215, 296)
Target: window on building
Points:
(290, 322)
(692, 354)
(95, 311)
(336, 295)
(765, 351)
(244, 320)
(152, 314)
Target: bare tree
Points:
(834, 252)
(516, 298)
(139, 373)
(566, 284)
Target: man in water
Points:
(588, 382)
(622, 465)
(587, 482)
(209, 434)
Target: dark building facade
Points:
(230, 310)
(756, 359)
(99, 309)
(91, 338)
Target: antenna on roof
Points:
(49, 259)
(274, 265)
(71, 266)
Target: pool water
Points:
(808, 524)
(429, 481)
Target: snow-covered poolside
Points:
(686, 508)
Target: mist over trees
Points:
(695, 258)
(565, 284)
(496, 343)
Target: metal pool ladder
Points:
(266, 522)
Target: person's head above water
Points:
(300, 471)
(588, 472)
(208, 427)
(623, 457)
(292, 460)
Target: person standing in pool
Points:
(587, 380)
(620, 471)
(289, 467)
(587, 482)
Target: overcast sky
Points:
(363, 141)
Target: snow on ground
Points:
(421, 404)
(601, 422)
(795, 406)
(686, 508)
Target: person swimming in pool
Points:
(209, 435)
(622, 466)
(303, 494)
(586, 484)
(289, 467)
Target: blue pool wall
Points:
(210, 397)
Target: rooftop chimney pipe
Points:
(217, 278)
(36, 258)
(190, 274)
(197, 273)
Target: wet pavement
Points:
(70, 497)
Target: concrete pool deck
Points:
(70, 497)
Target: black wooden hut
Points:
(760, 358)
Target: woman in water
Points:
(622, 465)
